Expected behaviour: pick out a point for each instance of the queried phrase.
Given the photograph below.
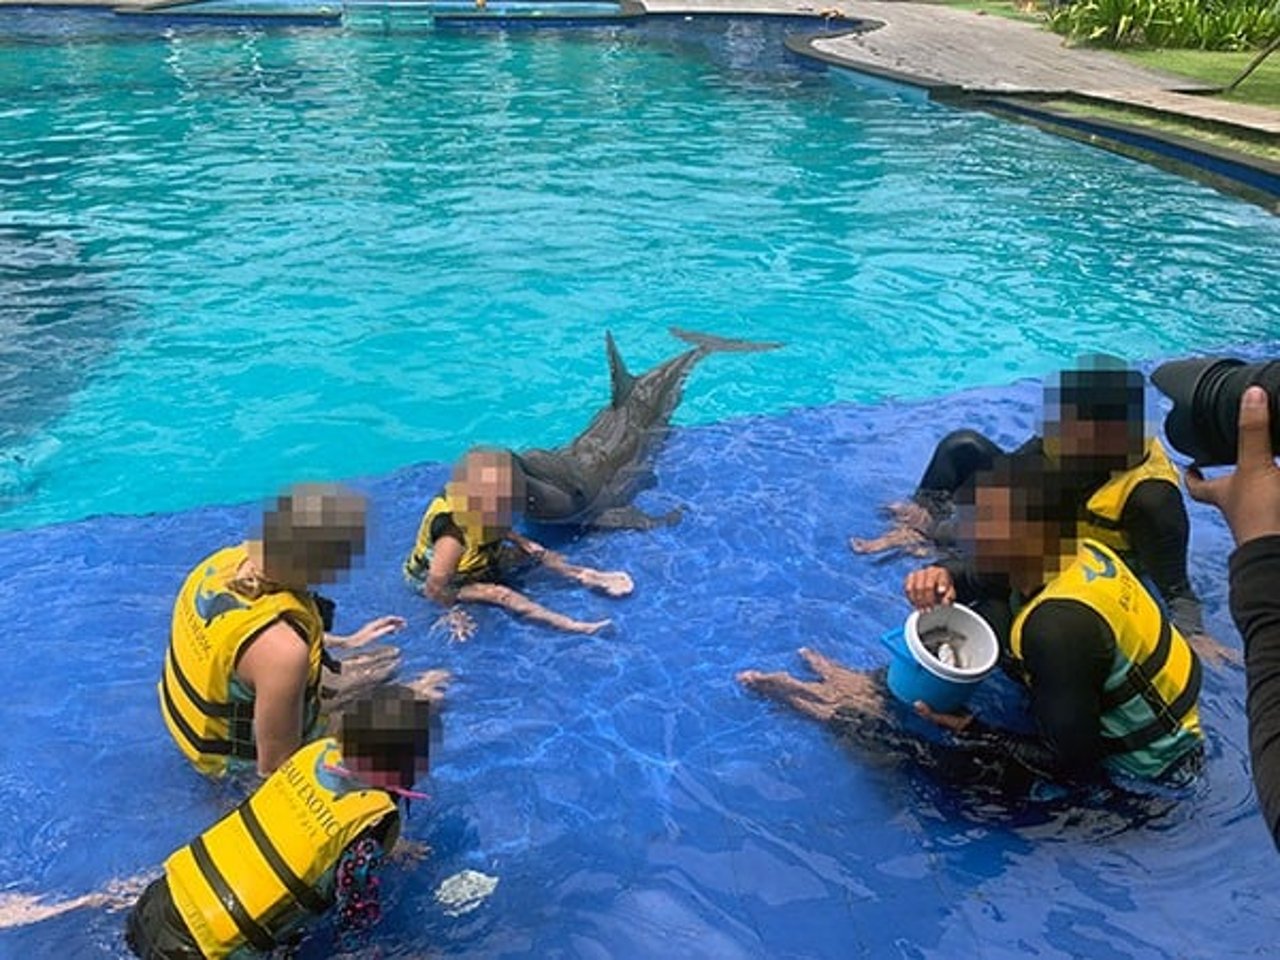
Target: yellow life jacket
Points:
(1150, 714)
(1102, 511)
(208, 713)
(254, 877)
(477, 555)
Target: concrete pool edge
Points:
(1230, 171)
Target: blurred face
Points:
(483, 485)
(1002, 540)
(313, 534)
(376, 774)
(1073, 437)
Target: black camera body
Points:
(1204, 421)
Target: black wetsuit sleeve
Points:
(956, 458)
(1155, 521)
(1255, 605)
(1067, 651)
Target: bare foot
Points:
(808, 698)
(430, 685)
(899, 538)
(613, 582)
(582, 626)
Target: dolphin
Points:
(592, 480)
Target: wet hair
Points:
(391, 729)
(1101, 387)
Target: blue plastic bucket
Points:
(916, 673)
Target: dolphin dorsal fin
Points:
(621, 378)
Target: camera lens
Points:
(1206, 393)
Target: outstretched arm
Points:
(1155, 519)
(375, 629)
(1249, 498)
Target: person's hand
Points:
(459, 624)
(373, 630)
(1250, 497)
(408, 853)
(954, 722)
(430, 684)
(928, 588)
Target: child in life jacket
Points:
(310, 840)
(467, 550)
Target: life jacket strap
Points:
(304, 895)
(229, 900)
(1137, 681)
(240, 720)
(1168, 718)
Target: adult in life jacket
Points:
(241, 684)
(1113, 685)
(1122, 483)
(468, 550)
(310, 840)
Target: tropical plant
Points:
(1195, 24)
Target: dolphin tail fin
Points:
(619, 375)
(710, 343)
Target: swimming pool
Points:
(237, 257)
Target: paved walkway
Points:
(969, 52)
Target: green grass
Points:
(1261, 146)
(1262, 87)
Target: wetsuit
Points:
(1255, 605)
(1154, 517)
(1074, 644)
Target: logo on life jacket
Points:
(325, 776)
(1108, 569)
(211, 604)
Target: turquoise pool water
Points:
(232, 258)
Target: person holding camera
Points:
(1249, 499)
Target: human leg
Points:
(503, 596)
(615, 583)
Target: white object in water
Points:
(463, 892)
(946, 656)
